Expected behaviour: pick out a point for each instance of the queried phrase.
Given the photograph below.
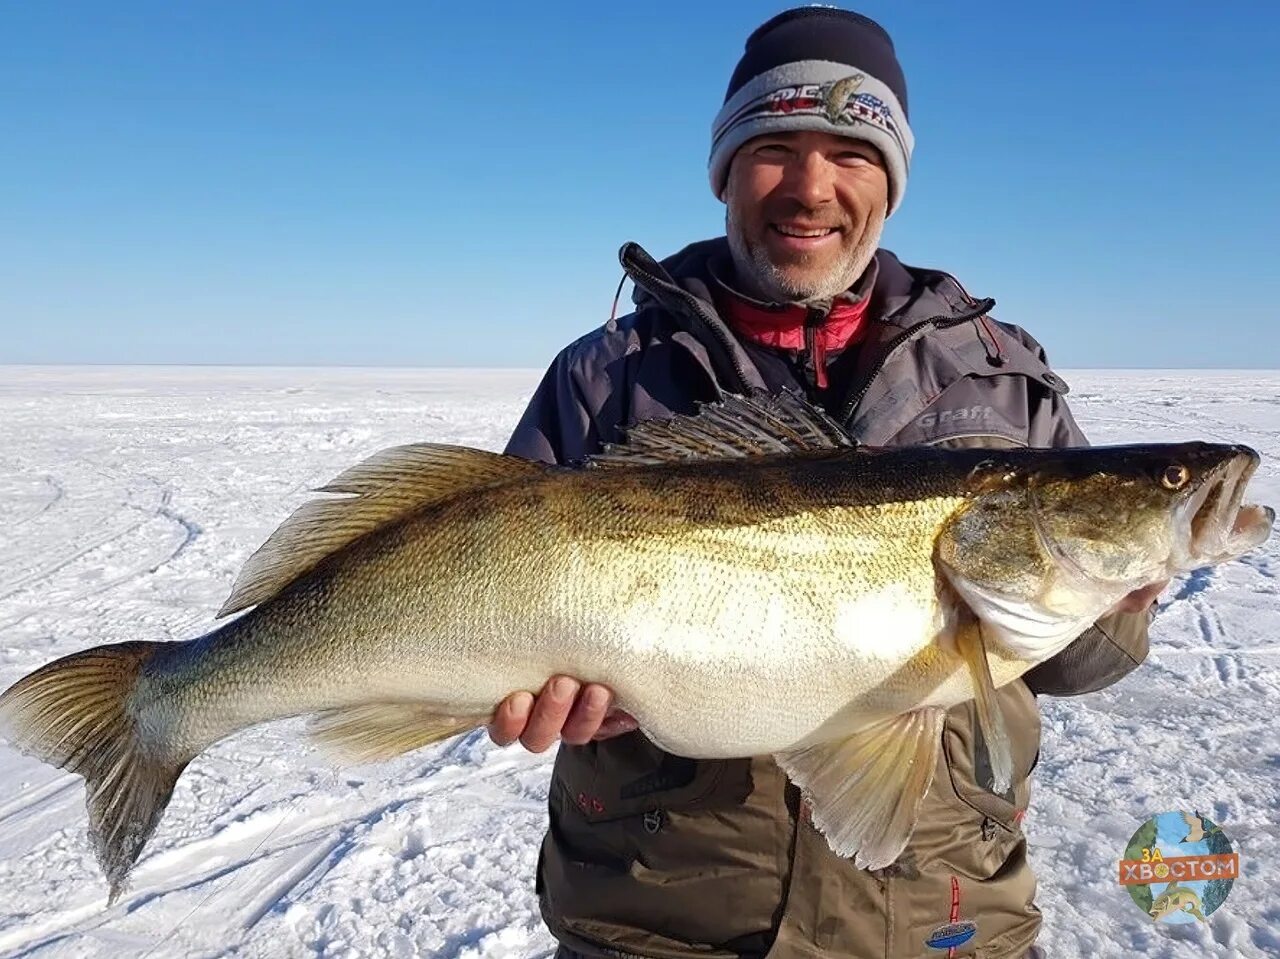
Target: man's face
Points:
(804, 212)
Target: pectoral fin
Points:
(866, 790)
(970, 645)
(374, 732)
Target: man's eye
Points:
(771, 150)
(851, 159)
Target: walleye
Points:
(748, 554)
(1176, 899)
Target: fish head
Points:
(1137, 515)
(1051, 539)
(1162, 906)
(1174, 899)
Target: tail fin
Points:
(75, 713)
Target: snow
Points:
(129, 497)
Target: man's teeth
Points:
(793, 231)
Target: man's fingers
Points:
(549, 713)
(565, 709)
(1140, 599)
(587, 714)
(617, 723)
(510, 717)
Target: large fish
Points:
(747, 580)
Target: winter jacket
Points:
(651, 854)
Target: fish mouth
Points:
(1215, 523)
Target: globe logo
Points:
(1179, 867)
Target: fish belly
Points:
(747, 665)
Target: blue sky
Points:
(441, 185)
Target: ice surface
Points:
(129, 497)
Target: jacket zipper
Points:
(815, 358)
(942, 322)
(691, 302)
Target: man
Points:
(650, 854)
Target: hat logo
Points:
(840, 102)
(836, 98)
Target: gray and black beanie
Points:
(817, 68)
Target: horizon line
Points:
(505, 368)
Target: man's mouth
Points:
(795, 239)
(804, 233)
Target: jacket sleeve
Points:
(1115, 645)
(557, 425)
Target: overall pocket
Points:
(968, 759)
(683, 856)
(630, 776)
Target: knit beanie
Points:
(817, 68)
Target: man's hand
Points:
(1140, 599)
(565, 710)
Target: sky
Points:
(429, 184)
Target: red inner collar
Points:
(784, 327)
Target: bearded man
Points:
(650, 854)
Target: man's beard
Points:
(761, 277)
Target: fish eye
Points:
(1175, 477)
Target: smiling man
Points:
(650, 854)
(799, 246)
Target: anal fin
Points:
(866, 789)
(970, 645)
(374, 732)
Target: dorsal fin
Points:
(386, 487)
(737, 427)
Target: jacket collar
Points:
(924, 332)
(721, 280)
(821, 329)
(899, 292)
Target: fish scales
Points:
(690, 593)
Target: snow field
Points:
(129, 497)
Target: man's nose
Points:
(810, 179)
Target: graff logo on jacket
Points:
(967, 414)
(839, 100)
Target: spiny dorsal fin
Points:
(737, 427)
(386, 487)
